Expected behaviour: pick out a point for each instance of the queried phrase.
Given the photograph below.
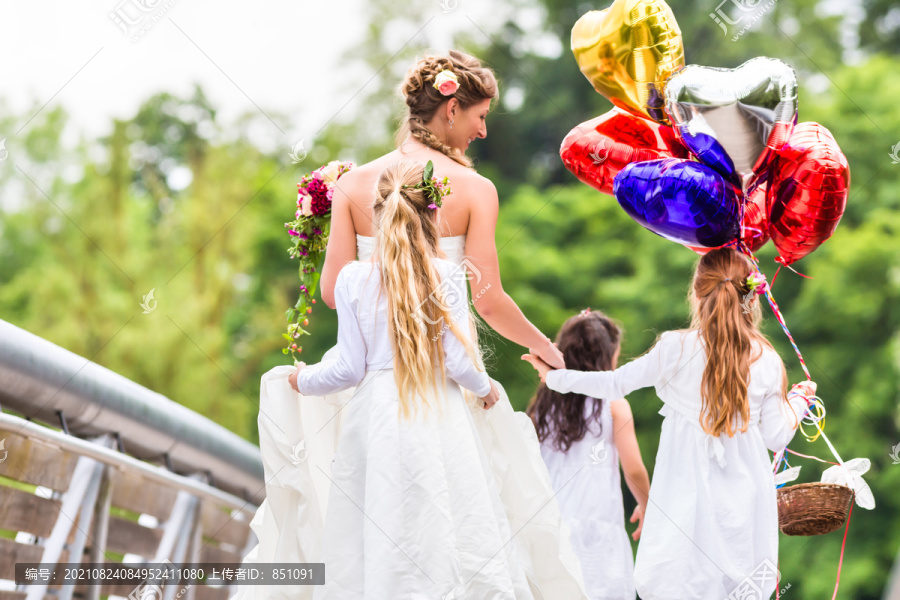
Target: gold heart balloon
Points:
(627, 52)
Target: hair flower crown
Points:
(433, 187)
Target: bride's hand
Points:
(492, 397)
(540, 366)
(549, 354)
(292, 379)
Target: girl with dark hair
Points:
(583, 441)
(711, 527)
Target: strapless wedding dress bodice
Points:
(454, 247)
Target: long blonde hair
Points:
(476, 83)
(727, 317)
(406, 242)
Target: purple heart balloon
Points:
(680, 200)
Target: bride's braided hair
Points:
(476, 83)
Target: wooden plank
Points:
(126, 536)
(211, 553)
(36, 462)
(222, 526)
(207, 592)
(133, 492)
(12, 552)
(119, 589)
(23, 511)
(10, 595)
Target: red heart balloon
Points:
(755, 230)
(755, 224)
(808, 187)
(597, 150)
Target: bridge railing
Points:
(96, 468)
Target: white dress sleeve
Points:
(458, 364)
(778, 419)
(349, 367)
(644, 371)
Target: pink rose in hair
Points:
(446, 82)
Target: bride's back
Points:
(358, 187)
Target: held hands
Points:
(539, 365)
(549, 354)
(637, 515)
(292, 379)
(492, 397)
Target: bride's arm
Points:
(492, 303)
(341, 245)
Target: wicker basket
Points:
(813, 508)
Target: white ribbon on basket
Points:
(848, 473)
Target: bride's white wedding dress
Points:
(510, 542)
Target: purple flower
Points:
(303, 236)
(292, 232)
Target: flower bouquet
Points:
(309, 236)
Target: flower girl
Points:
(413, 511)
(583, 441)
(712, 518)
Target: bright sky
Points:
(277, 55)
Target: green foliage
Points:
(78, 258)
(78, 254)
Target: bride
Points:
(299, 436)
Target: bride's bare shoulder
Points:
(469, 183)
(358, 182)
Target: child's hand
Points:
(292, 379)
(807, 388)
(637, 515)
(540, 366)
(492, 397)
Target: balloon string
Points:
(837, 581)
(812, 457)
(787, 332)
(777, 311)
(777, 581)
(775, 276)
(780, 261)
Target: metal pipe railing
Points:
(114, 458)
(39, 380)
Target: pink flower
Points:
(306, 206)
(446, 82)
(292, 232)
(757, 283)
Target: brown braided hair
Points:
(476, 83)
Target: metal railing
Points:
(47, 383)
(87, 493)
